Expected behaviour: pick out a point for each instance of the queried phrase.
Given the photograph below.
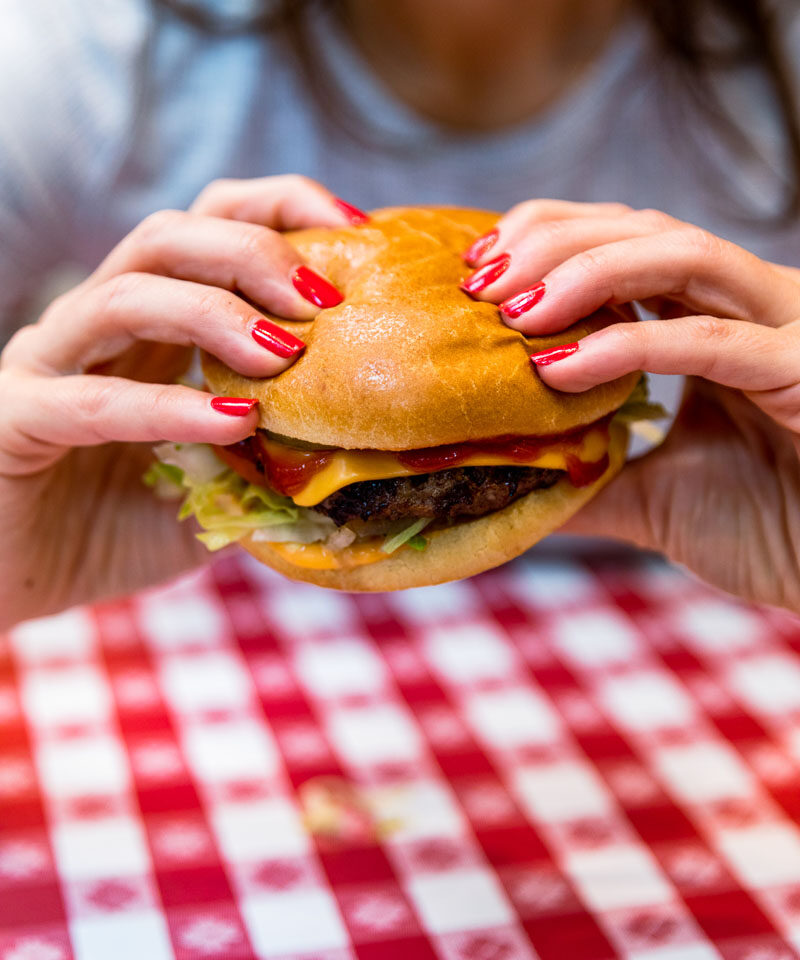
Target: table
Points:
(565, 758)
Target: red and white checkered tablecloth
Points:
(564, 759)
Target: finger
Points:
(792, 273)
(545, 245)
(223, 253)
(43, 417)
(82, 331)
(282, 203)
(634, 507)
(520, 218)
(732, 353)
(705, 273)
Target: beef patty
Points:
(447, 495)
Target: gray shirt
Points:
(109, 112)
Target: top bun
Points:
(408, 360)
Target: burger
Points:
(413, 442)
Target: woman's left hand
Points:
(722, 494)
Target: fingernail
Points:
(233, 406)
(487, 274)
(546, 357)
(353, 214)
(315, 289)
(481, 246)
(521, 302)
(276, 339)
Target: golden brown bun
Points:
(466, 549)
(408, 360)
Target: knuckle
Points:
(554, 232)
(119, 289)
(256, 243)
(19, 348)
(210, 304)
(702, 244)
(785, 338)
(533, 210)
(60, 302)
(654, 219)
(156, 224)
(92, 402)
(211, 194)
(619, 209)
(220, 185)
(14, 441)
(707, 329)
(162, 402)
(591, 265)
(10, 384)
(627, 338)
(299, 182)
(711, 328)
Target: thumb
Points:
(619, 511)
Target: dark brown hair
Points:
(698, 37)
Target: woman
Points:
(439, 101)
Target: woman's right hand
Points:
(86, 390)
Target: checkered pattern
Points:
(566, 760)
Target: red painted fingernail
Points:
(353, 214)
(487, 274)
(233, 406)
(521, 302)
(315, 289)
(276, 339)
(546, 357)
(481, 246)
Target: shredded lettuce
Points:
(396, 541)
(226, 506)
(165, 479)
(638, 406)
(198, 461)
(310, 528)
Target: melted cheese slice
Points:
(316, 556)
(349, 466)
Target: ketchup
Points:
(521, 449)
(288, 470)
(582, 474)
(239, 458)
(435, 458)
(267, 463)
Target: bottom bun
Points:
(465, 549)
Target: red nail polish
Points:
(276, 339)
(353, 214)
(233, 406)
(487, 274)
(521, 302)
(481, 246)
(546, 357)
(315, 289)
